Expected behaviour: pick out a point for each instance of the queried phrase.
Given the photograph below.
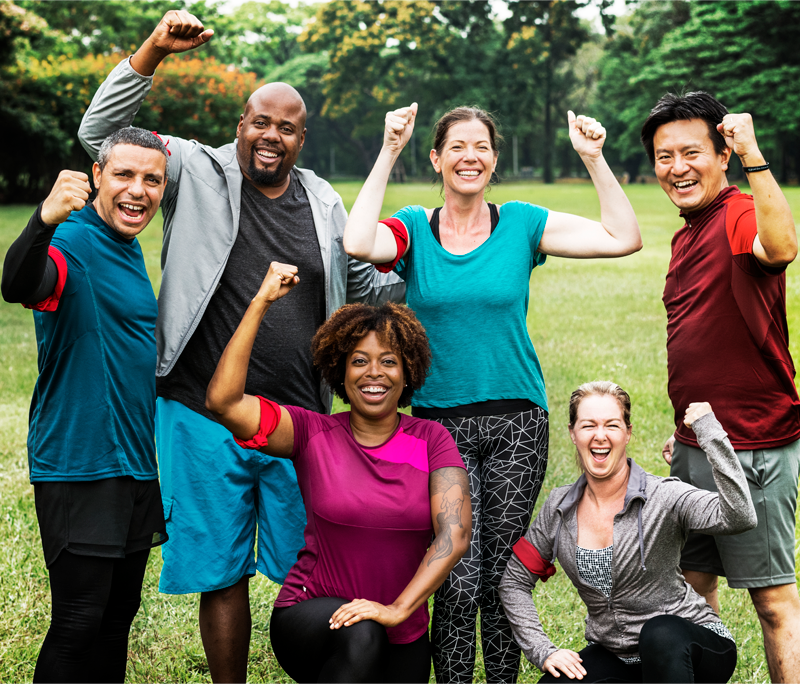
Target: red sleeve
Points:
(51, 303)
(400, 233)
(533, 560)
(740, 224)
(270, 417)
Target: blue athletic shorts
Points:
(215, 495)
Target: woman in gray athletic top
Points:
(618, 533)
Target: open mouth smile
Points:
(684, 185)
(600, 454)
(373, 393)
(468, 173)
(267, 156)
(131, 213)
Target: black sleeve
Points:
(29, 274)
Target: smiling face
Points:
(600, 435)
(130, 187)
(687, 166)
(467, 159)
(374, 378)
(270, 134)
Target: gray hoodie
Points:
(649, 533)
(201, 220)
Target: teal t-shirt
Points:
(93, 408)
(474, 308)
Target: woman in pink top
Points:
(377, 486)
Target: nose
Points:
(679, 165)
(374, 369)
(470, 153)
(271, 133)
(136, 187)
(599, 434)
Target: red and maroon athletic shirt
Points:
(727, 337)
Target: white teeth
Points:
(685, 184)
(268, 155)
(468, 174)
(374, 390)
(131, 207)
(601, 452)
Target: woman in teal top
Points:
(467, 268)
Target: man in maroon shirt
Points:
(728, 344)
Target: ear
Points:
(494, 165)
(96, 175)
(239, 126)
(572, 437)
(726, 157)
(630, 434)
(435, 161)
(302, 138)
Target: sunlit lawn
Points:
(595, 319)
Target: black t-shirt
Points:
(280, 229)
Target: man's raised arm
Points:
(776, 243)
(118, 99)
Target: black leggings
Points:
(310, 651)
(672, 650)
(506, 458)
(94, 602)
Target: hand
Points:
(587, 135)
(399, 127)
(179, 31)
(70, 192)
(666, 451)
(567, 662)
(361, 609)
(279, 280)
(696, 410)
(740, 136)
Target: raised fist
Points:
(399, 127)
(70, 192)
(179, 31)
(695, 410)
(586, 134)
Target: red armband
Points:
(533, 560)
(270, 417)
(51, 303)
(400, 237)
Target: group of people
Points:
(363, 515)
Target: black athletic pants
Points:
(94, 602)
(672, 650)
(310, 651)
(506, 459)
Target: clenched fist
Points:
(695, 410)
(179, 31)
(70, 192)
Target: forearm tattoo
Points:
(452, 482)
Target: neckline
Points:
(437, 239)
(377, 446)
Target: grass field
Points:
(594, 319)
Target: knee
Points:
(459, 598)
(776, 605)
(122, 612)
(363, 642)
(658, 636)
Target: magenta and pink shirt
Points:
(368, 508)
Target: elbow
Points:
(352, 248)
(783, 257)
(215, 404)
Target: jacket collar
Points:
(637, 485)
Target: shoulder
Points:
(313, 422)
(523, 209)
(74, 236)
(441, 447)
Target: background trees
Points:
(526, 61)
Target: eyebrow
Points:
(283, 122)
(486, 142)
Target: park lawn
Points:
(589, 320)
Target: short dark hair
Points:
(130, 136)
(396, 326)
(696, 105)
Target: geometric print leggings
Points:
(506, 459)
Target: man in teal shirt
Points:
(90, 444)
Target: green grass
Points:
(592, 319)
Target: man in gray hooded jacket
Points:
(229, 212)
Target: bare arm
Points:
(617, 233)
(225, 397)
(364, 238)
(451, 512)
(776, 242)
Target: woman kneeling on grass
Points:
(618, 533)
(376, 484)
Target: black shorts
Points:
(108, 518)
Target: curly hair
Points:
(396, 326)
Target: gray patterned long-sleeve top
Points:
(649, 533)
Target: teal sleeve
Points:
(409, 216)
(73, 241)
(535, 221)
